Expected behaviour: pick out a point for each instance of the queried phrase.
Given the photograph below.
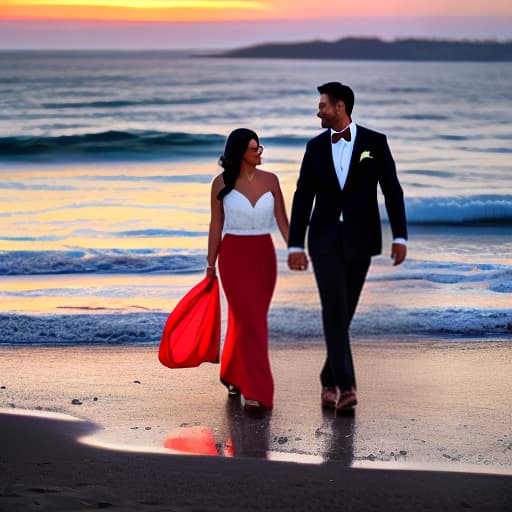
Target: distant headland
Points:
(353, 48)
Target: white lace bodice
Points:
(242, 218)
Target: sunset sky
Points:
(225, 23)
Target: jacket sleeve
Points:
(393, 193)
(302, 201)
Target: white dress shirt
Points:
(342, 154)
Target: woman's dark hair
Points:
(231, 160)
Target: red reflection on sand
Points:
(229, 451)
(196, 440)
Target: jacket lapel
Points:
(328, 163)
(356, 152)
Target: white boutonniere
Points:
(365, 154)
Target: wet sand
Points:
(432, 432)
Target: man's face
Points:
(330, 113)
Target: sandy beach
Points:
(432, 432)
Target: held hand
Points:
(398, 253)
(297, 261)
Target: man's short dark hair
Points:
(339, 92)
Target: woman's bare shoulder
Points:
(268, 175)
(218, 182)
(270, 178)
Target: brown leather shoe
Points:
(347, 401)
(329, 397)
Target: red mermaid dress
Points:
(248, 270)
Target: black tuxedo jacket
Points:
(318, 189)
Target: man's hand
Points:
(297, 261)
(398, 253)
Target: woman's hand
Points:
(211, 272)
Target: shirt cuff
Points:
(402, 241)
(295, 249)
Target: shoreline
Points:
(279, 341)
(424, 403)
(20, 416)
(431, 432)
(60, 475)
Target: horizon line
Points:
(264, 43)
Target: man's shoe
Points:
(329, 397)
(346, 402)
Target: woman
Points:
(245, 201)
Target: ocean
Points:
(106, 160)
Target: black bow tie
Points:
(345, 134)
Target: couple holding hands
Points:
(336, 197)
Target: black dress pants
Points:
(340, 281)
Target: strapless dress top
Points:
(242, 218)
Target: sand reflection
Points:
(249, 435)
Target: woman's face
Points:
(252, 155)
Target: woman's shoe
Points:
(253, 406)
(233, 391)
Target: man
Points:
(339, 175)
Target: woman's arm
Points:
(216, 224)
(280, 209)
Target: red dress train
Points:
(248, 271)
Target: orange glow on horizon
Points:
(133, 10)
(230, 10)
(144, 4)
